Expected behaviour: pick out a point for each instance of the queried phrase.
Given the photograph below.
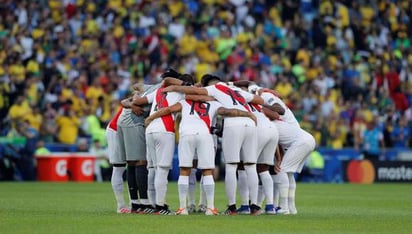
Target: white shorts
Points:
(267, 143)
(239, 143)
(112, 148)
(199, 144)
(160, 149)
(296, 154)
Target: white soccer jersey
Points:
(229, 98)
(288, 117)
(262, 120)
(160, 100)
(197, 117)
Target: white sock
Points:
(230, 183)
(275, 191)
(282, 179)
(151, 192)
(261, 195)
(267, 184)
(202, 198)
(209, 188)
(192, 187)
(161, 185)
(117, 185)
(292, 191)
(242, 185)
(183, 187)
(253, 182)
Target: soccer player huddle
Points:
(263, 146)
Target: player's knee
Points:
(185, 171)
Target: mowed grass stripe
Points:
(90, 208)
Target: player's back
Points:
(233, 99)
(288, 116)
(197, 117)
(161, 100)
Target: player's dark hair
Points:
(170, 72)
(187, 79)
(207, 78)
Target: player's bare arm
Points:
(272, 115)
(168, 81)
(162, 112)
(236, 113)
(278, 156)
(199, 98)
(127, 102)
(257, 100)
(186, 90)
(276, 108)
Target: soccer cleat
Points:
(192, 208)
(136, 208)
(244, 210)
(281, 211)
(163, 210)
(211, 211)
(270, 210)
(231, 210)
(202, 208)
(147, 209)
(255, 210)
(293, 211)
(123, 210)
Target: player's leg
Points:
(242, 184)
(164, 156)
(141, 167)
(206, 162)
(303, 151)
(249, 156)
(118, 160)
(192, 187)
(269, 140)
(151, 165)
(231, 153)
(186, 152)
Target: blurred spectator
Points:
(68, 126)
(102, 169)
(401, 133)
(325, 57)
(373, 146)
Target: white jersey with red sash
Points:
(288, 117)
(113, 123)
(197, 117)
(161, 100)
(236, 99)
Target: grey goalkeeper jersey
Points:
(128, 118)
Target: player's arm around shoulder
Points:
(186, 90)
(236, 113)
(199, 98)
(162, 112)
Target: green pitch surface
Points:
(90, 208)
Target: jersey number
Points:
(201, 108)
(236, 97)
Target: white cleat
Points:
(182, 211)
(280, 211)
(123, 210)
(293, 211)
(212, 211)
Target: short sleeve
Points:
(150, 97)
(246, 95)
(211, 90)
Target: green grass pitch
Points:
(90, 208)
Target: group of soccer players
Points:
(261, 141)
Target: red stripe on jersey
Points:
(203, 112)
(113, 122)
(256, 107)
(236, 98)
(161, 103)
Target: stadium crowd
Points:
(341, 66)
